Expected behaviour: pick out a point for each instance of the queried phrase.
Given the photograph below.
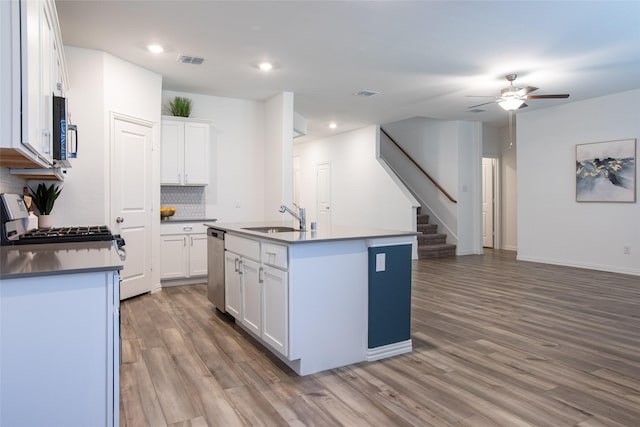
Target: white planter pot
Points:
(45, 221)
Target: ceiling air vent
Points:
(189, 59)
(477, 110)
(366, 93)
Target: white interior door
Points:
(323, 194)
(487, 203)
(131, 203)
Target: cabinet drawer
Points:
(275, 255)
(241, 246)
(166, 228)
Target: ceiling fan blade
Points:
(556, 96)
(526, 90)
(480, 96)
(524, 105)
(480, 105)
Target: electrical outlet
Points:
(627, 250)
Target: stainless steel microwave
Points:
(65, 135)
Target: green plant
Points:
(180, 106)
(44, 197)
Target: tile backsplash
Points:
(189, 201)
(10, 183)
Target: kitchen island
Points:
(320, 299)
(59, 334)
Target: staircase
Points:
(432, 244)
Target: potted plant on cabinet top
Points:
(180, 106)
(44, 198)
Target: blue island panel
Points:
(389, 295)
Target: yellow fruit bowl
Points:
(167, 212)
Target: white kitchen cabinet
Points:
(257, 289)
(232, 284)
(33, 70)
(174, 256)
(275, 320)
(185, 151)
(60, 350)
(183, 252)
(198, 255)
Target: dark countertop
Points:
(333, 233)
(57, 258)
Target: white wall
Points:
(278, 156)
(552, 226)
(469, 206)
(236, 189)
(495, 144)
(451, 153)
(362, 193)
(508, 192)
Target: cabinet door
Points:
(47, 84)
(276, 309)
(251, 296)
(173, 255)
(197, 255)
(196, 154)
(232, 284)
(171, 153)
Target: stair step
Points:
(436, 251)
(428, 228)
(422, 219)
(431, 239)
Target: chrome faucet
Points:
(301, 217)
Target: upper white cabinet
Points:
(32, 69)
(185, 151)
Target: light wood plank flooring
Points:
(497, 342)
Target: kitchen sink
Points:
(275, 229)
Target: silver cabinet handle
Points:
(119, 220)
(240, 266)
(184, 241)
(191, 240)
(186, 228)
(261, 275)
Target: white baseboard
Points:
(510, 248)
(389, 350)
(565, 263)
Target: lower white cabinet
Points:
(275, 315)
(60, 343)
(256, 292)
(183, 251)
(232, 284)
(251, 315)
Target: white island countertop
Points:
(321, 234)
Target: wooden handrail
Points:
(438, 186)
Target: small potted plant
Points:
(44, 198)
(180, 106)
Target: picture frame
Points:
(606, 171)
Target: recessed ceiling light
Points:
(265, 66)
(333, 125)
(155, 48)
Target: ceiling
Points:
(423, 57)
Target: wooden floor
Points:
(496, 343)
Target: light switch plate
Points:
(380, 262)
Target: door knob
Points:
(119, 219)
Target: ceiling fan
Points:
(512, 97)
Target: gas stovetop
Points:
(66, 235)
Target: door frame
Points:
(497, 201)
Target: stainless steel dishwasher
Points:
(215, 267)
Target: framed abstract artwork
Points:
(606, 171)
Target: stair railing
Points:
(425, 173)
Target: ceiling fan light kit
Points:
(512, 97)
(511, 104)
